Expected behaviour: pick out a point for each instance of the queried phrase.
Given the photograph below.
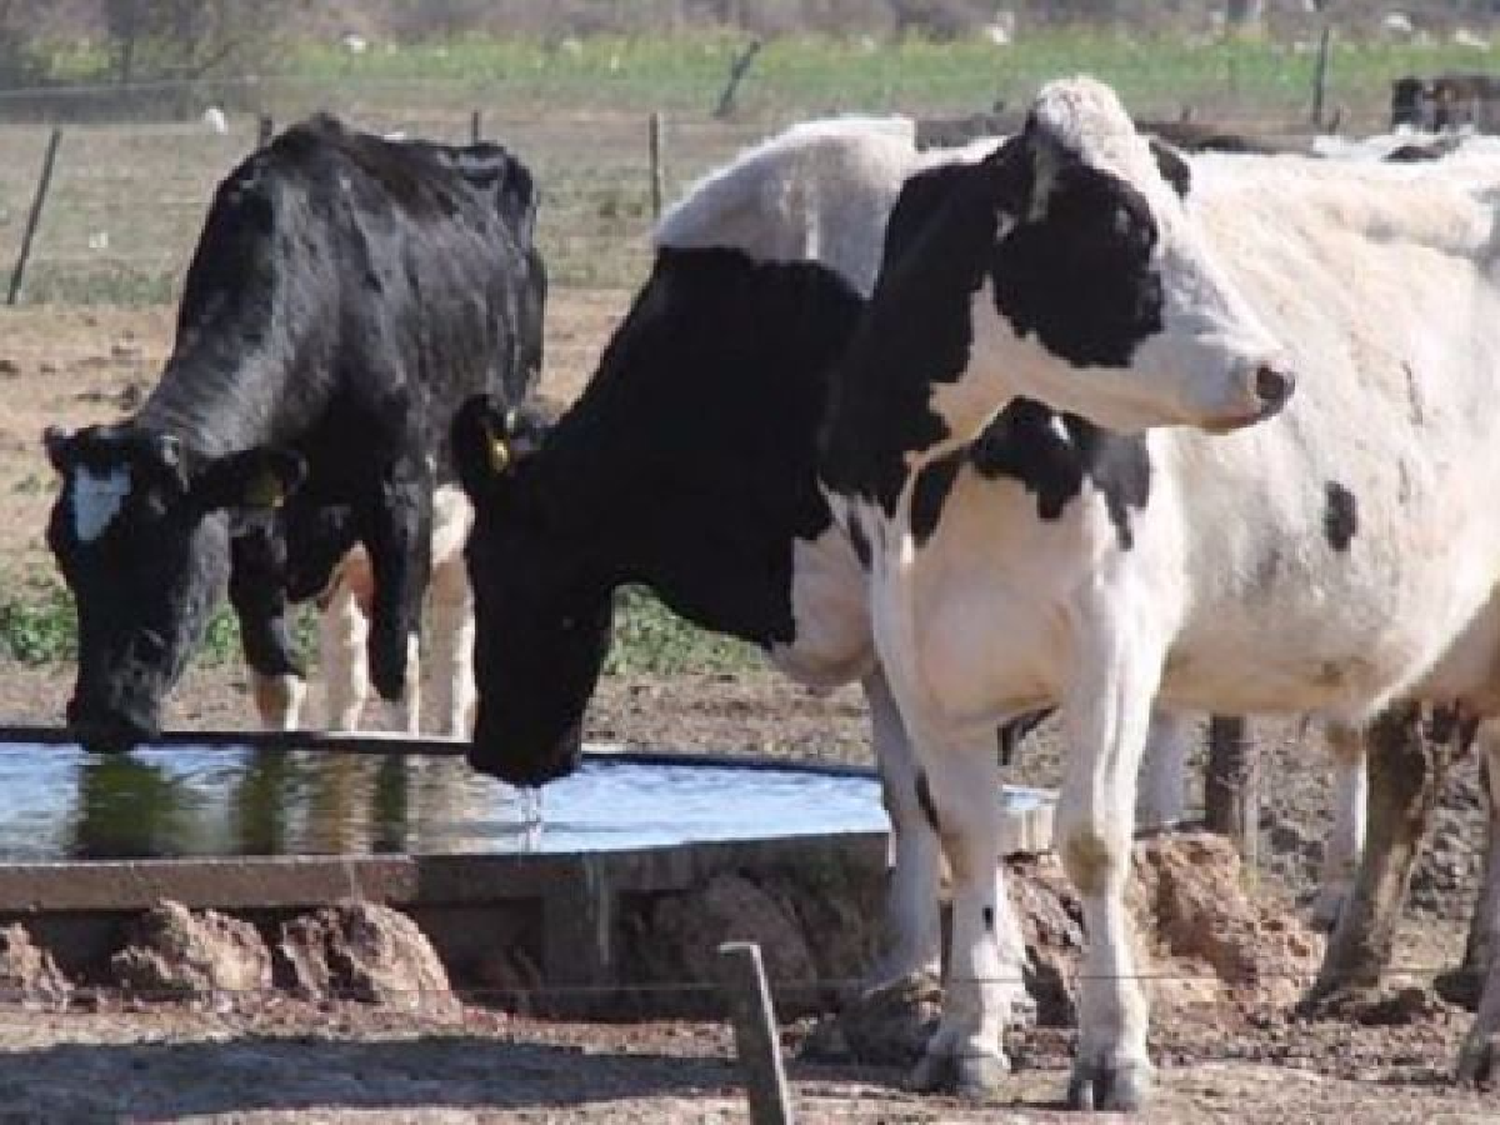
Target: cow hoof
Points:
(1476, 1061)
(1461, 986)
(1118, 1089)
(973, 1077)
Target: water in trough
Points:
(60, 803)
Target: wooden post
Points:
(34, 218)
(1320, 77)
(737, 71)
(749, 999)
(476, 127)
(1231, 799)
(658, 163)
(264, 129)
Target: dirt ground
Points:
(260, 1060)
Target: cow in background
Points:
(346, 294)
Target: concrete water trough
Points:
(265, 825)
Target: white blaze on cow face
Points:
(97, 500)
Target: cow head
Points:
(141, 537)
(1100, 296)
(543, 608)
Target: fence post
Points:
(476, 127)
(1320, 76)
(1231, 798)
(265, 127)
(658, 163)
(34, 218)
(737, 71)
(744, 987)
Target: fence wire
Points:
(131, 189)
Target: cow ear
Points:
(1174, 169)
(254, 478)
(483, 447)
(59, 446)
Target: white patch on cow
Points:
(833, 645)
(97, 500)
(819, 192)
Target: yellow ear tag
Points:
(499, 455)
(265, 491)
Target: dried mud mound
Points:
(1205, 936)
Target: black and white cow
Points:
(688, 465)
(1341, 558)
(346, 295)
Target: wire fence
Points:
(131, 188)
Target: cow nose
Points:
(1273, 387)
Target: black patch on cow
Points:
(1025, 445)
(924, 802)
(860, 541)
(929, 493)
(687, 465)
(916, 331)
(988, 914)
(1173, 168)
(347, 293)
(1340, 516)
(1080, 278)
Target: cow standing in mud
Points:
(346, 294)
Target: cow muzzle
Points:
(525, 762)
(105, 730)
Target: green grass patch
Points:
(651, 640)
(38, 626)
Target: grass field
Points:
(129, 196)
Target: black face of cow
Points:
(141, 538)
(543, 610)
(1080, 273)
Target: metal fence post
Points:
(658, 163)
(34, 217)
(1320, 76)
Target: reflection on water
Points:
(58, 803)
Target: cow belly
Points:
(833, 645)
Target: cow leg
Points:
(1161, 801)
(409, 710)
(451, 633)
(964, 1054)
(1106, 717)
(1406, 774)
(259, 599)
(1480, 1055)
(399, 539)
(1463, 985)
(913, 928)
(343, 631)
(1346, 840)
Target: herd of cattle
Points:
(1068, 419)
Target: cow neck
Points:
(692, 451)
(225, 388)
(914, 344)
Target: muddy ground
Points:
(267, 1059)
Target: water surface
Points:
(62, 803)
